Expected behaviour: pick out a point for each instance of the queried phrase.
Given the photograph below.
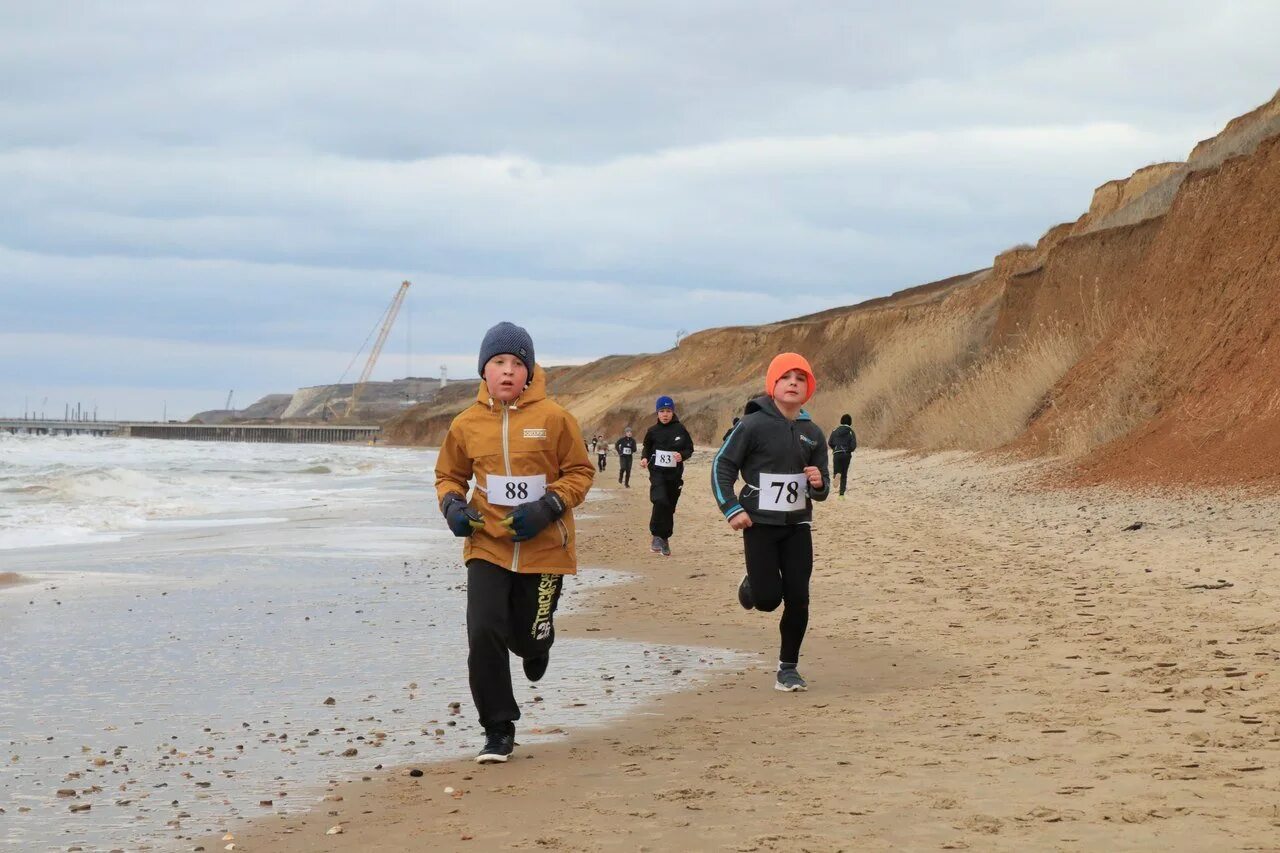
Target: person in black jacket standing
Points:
(626, 447)
(667, 446)
(782, 458)
(843, 442)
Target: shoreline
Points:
(990, 667)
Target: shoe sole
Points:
(490, 758)
(795, 688)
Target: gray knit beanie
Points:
(506, 338)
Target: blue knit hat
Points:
(665, 402)
(506, 338)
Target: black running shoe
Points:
(498, 746)
(666, 547)
(744, 594)
(789, 681)
(656, 545)
(535, 668)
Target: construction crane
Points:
(389, 318)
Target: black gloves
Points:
(528, 520)
(462, 519)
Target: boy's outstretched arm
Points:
(576, 471)
(685, 456)
(724, 472)
(453, 467)
(818, 459)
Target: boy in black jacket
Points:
(667, 446)
(626, 447)
(842, 443)
(782, 458)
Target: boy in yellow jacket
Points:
(531, 468)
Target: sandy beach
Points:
(11, 579)
(992, 667)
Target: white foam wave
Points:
(69, 490)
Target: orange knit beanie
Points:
(784, 362)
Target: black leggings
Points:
(664, 492)
(779, 563)
(602, 457)
(840, 462)
(507, 613)
(624, 469)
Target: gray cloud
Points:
(257, 178)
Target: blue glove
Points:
(462, 519)
(529, 519)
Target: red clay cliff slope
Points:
(1137, 344)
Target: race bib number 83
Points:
(783, 492)
(513, 491)
(665, 458)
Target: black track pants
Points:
(779, 563)
(840, 464)
(624, 469)
(664, 492)
(507, 613)
(602, 460)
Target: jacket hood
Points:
(765, 403)
(536, 390)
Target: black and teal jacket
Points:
(764, 441)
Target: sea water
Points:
(214, 631)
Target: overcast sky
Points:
(196, 197)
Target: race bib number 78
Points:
(513, 491)
(783, 492)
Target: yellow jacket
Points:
(532, 435)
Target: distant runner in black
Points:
(843, 442)
(667, 446)
(626, 447)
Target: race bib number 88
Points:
(513, 491)
(783, 492)
(665, 458)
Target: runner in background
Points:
(667, 446)
(626, 447)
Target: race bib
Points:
(665, 458)
(513, 491)
(783, 492)
(627, 451)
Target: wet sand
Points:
(991, 667)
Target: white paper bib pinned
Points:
(665, 458)
(627, 451)
(513, 491)
(783, 492)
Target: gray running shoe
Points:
(744, 594)
(789, 681)
(656, 546)
(666, 547)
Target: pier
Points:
(252, 433)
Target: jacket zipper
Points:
(506, 460)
